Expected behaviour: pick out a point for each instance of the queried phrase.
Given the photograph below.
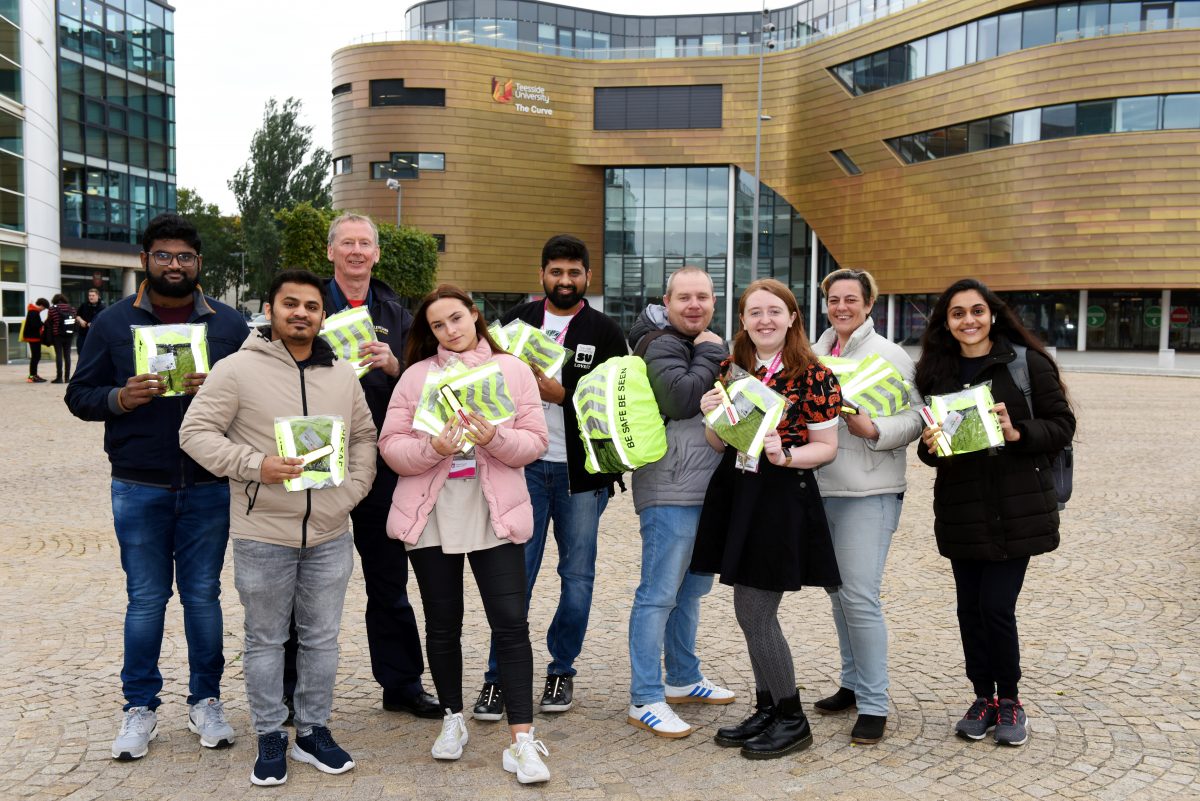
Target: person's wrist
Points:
(787, 457)
(121, 400)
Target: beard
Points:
(562, 301)
(169, 289)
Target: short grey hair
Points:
(349, 217)
(689, 270)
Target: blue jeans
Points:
(165, 535)
(666, 606)
(272, 581)
(576, 522)
(862, 531)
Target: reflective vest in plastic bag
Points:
(346, 332)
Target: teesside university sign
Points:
(525, 98)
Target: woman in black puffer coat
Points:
(993, 509)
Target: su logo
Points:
(502, 92)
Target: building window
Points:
(441, 242)
(633, 108)
(393, 92)
(341, 89)
(994, 36)
(10, 53)
(407, 165)
(342, 165)
(845, 162)
(1126, 114)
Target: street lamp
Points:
(764, 44)
(394, 185)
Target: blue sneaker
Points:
(271, 766)
(1011, 723)
(319, 750)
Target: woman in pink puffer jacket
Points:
(450, 507)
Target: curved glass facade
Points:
(658, 219)
(1085, 118)
(994, 36)
(581, 33)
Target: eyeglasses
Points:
(163, 259)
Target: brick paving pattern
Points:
(1109, 638)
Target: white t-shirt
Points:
(554, 324)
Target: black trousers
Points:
(987, 621)
(392, 635)
(62, 354)
(35, 356)
(500, 574)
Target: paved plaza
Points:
(1109, 627)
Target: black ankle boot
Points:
(788, 732)
(840, 701)
(757, 723)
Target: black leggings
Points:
(62, 355)
(987, 621)
(500, 574)
(35, 356)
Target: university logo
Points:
(584, 355)
(502, 92)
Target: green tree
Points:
(283, 169)
(220, 238)
(304, 238)
(407, 260)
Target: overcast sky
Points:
(232, 55)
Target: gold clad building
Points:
(1052, 150)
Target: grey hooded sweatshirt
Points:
(679, 374)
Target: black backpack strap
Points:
(644, 343)
(1018, 368)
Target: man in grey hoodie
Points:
(682, 360)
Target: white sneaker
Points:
(139, 727)
(702, 692)
(449, 744)
(660, 719)
(206, 717)
(522, 759)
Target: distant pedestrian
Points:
(31, 334)
(60, 324)
(86, 313)
(993, 509)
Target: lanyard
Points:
(562, 335)
(773, 368)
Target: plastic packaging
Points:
(321, 441)
(966, 420)
(531, 345)
(172, 351)
(753, 411)
(346, 332)
(875, 386)
(477, 389)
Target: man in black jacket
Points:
(559, 486)
(86, 313)
(392, 633)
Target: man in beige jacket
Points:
(291, 549)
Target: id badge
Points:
(747, 464)
(462, 467)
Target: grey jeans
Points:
(271, 580)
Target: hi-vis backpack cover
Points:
(619, 421)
